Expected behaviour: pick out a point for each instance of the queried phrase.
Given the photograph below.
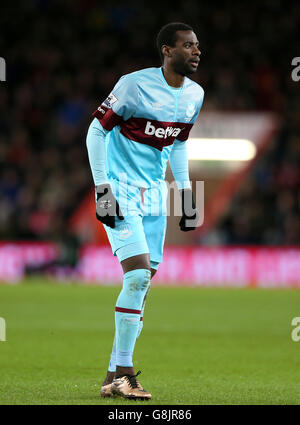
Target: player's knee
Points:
(137, 283)
(135, 286)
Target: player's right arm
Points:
(119, 105)
(107, 206)
(95, 143)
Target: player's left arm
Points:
(180, 168)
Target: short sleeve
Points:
(120, 105)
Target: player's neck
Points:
(172, 78)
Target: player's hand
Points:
(107, 207)
(190, 215)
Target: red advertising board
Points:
(188, 266)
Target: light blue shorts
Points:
(144, 226)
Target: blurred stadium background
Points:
(63, 58)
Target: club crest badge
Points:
(190, 110)
(125, 232)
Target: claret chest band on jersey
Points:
(153, 133)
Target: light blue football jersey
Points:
(144, 116)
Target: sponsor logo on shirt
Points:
(160, 132)
(101, 110)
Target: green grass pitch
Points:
(198, 346)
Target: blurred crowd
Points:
(266, 208)
(63, 58)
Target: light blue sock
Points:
(112, 362)
(113, 357)
(127, 313)
(141, 323)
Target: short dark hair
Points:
(167, 35)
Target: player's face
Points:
(186, 54)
